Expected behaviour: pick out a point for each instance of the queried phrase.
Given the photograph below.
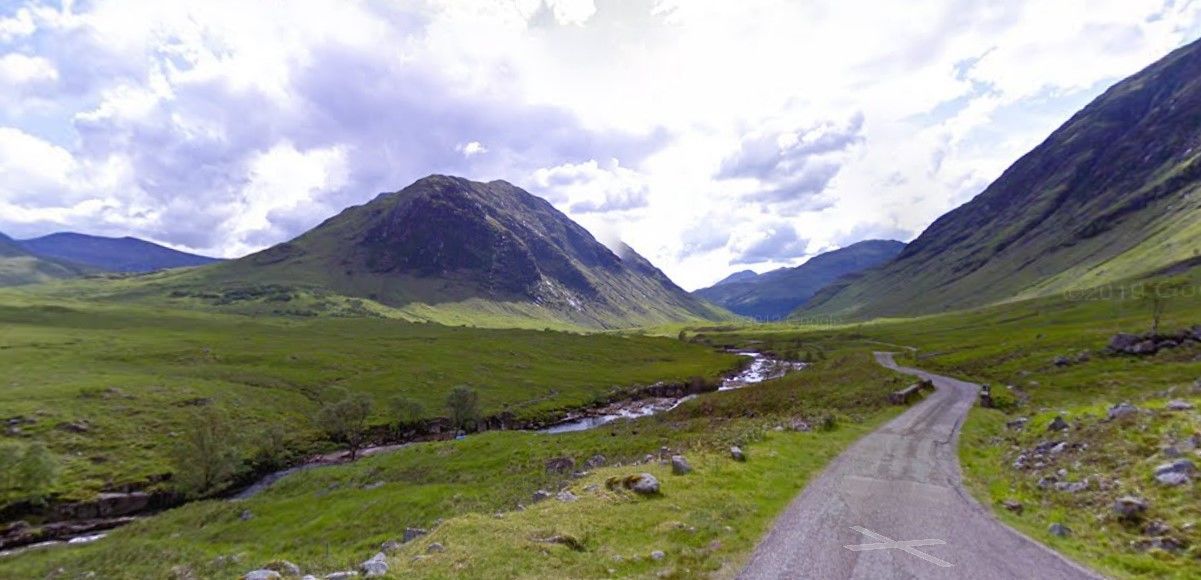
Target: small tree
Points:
(10, 458)
(345, 421)
(464, 407)
(405, 411)
(206, 455)
(272, 447)
(37, 470)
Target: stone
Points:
(342, 575)
(1123, 342)
(284, 567)
(1171, 451)
(1017, 424)
(566, 496)
(1013, 506)
(389, 546)
(594, 462)
(1058, 424)
(1059, 448)
(75, 427)
(658, 555)
(560, 465)
(1179, 405)
(679, 465)
(309, 577)
(1172, 479)
(1072, 486)
(435, 548)
(412, 534)
(1059, 530)
(1122, 410)
(1157, 528)
(1144, 348)
(1062, 361)
(1183, 466)
(376, 566)
(262, 575)
(736, 454)
(645, 484)
(541, 495)
(799, 425)
(1130, 508)
(246, 515)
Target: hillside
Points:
(446, 245)
(112, 254)
(1109, 195)
(19, 267)
(775, 294)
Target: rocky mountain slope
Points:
(1111, 194)
(774, 295)
(18, 266)
(491, 249)
(112, 254)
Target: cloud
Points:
(589, 187)
(777, 242)
(472, 148)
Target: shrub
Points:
(406, 411)
(206, 456)
(463, 403)
(345, 421)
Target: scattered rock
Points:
(261, 575)
(1013, 506)
(389, 546)
(736, 454)
(1179, 405)
(799, 425)
(565, 540)
(435, 548)
(284, 567)
(1057, 449)
(75, 427)
(178, 572)
(566, 496)
(1170, 451)
(1072, 486)
(245, 516)
(376, 566)
(1062, 361)
(541, 495)
(1122, 410)
(592, 488)
(341, 575)
(373, 485)
(1172, 479)
(1059, 530)
(1167, 544)
(1175, 473)
(594, 462)
(1123, 342)
(658, 555)
(560, 465)
(642, 483)
(412, 534)
(1017, 424)
(1157, 528)
(1058, 424)
(1130, 508)
(679, 465)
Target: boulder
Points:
(1072, 486)
(376, 566)
(1059, 530)
(1182, 466)
(736, 453)
(389, 546)
(1062, 361)
(1122, 410)
(1017, 424)
(1058, 424)
(75, 427)
(1130, 508)
(541, 495)
(435, 548)
(1172, 479)
(560, 465)
(412, 534)
(1179, 405)
(566, 496)
(284, 567)
(1013, 506)
(658, 555)
(641, 483)
(262, 575)
(679, 465)
(342, 575)
(594, 462)
(1157, 528)
(1145, 348)
(1123, 342)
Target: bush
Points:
(406, 411)
(206, 456)
(28, 472)
(464, 407)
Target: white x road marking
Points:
(907, 546)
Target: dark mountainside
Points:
(112, 254)
(743, 276)
(19, 267)
(446, 240)
(1109, 195)
(776, 294)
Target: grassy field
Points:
(136, 376)
(1017, 345)
(333, 518)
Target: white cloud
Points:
(472, 148)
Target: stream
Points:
(762, 368)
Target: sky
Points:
(711, 136)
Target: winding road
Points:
(894, 506)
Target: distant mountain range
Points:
(450, 243)
(1113, 193)
(112, 254)
(18, 266)
(776, 294)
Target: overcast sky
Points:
(711, 136)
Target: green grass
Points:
(334, 518)
(138, 374)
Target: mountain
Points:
(743, 276)
(18, 266)
(1113, 193)
(112, 254)
(776, 294)
(479, 249)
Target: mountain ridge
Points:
(126, 254)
